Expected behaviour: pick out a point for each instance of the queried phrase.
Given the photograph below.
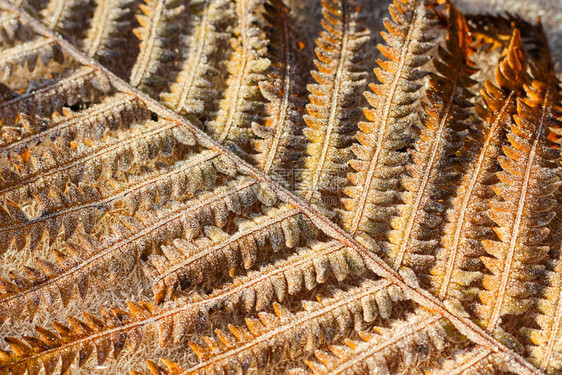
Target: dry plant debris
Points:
(208, 187)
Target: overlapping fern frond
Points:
(168, 186)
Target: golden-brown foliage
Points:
(269, 228)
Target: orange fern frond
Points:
(379, 159)
(457, 267)
(432, 176)
(529, 179)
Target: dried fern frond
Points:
(191, 262)
(161, 24)
(193, 89)
(27, 54)
(86, 202)
(477, 361)
(111, 25)
(271, 337)
(34, 173)
(333, 98)
(132, 237)
(82, 337)
(544, 95)
(430, 245)
(242, 104)
(280, 141)
(407, 342)
(118, 328)
(544, 347)
(432, 176)
(379, 159)
(457, 266)
(67, 17)
(529, 179)
(45, 97)
(115, 112)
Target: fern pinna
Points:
(211, 186)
